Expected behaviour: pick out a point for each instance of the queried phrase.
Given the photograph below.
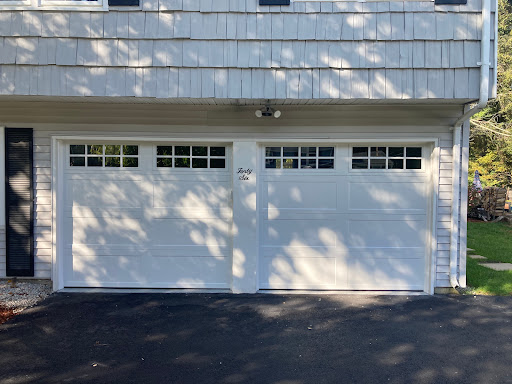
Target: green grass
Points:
(494, 241)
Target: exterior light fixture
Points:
(267, 111)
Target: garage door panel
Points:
(106, 230)
(301, 195)
(222, 213)
(385, 274)
(378, 196)
(312, 233)
(387, 253)
(386, 233)
(113, 213)
(190, 272)
(191, 194)
(211, 232)
(281, 271)
(96, 270)
(103, 193)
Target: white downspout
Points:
(457, 128)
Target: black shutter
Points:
(19, 202)
(123, 3)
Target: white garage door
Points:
(344, 217)
(147, 215)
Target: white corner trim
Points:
(57, 191)
(2, 176)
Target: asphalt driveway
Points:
(220, 338)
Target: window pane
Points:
(273, 163)
(291, 152)
(218, 151)
(359, 164)
(396, 151)
(112, 161)
(325, 163)
(130, 150)
(413, 164)
(199, 151)
(94, 161)
(95, 149)
(112, 149)
(164, 150)
(360, 152)
(378, 152)
(164, 163)
(326, 151)
(130, 162)
(77, 149)
(378, 164)
(182, 163)
(413, 151)
(272, 151)
(307, 152)
(199, 163)
(396, 164)
(308, 163)
(217, 163)
(181, 150)
(77, 161)
(291, 163)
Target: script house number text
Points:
(243, 174)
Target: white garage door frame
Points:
(59, 158)
(59, 155)
(430, 142)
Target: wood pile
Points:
(493, 201)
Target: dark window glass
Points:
(181, 150)
(273, 163)
(131, 150)
(130, 162)
(290, 152)
(290, 163)
(325, 163)
(112, 149)
(199, 163)
(396, 151)
(95, 149)
(307, 152)
(94, 161)
(217, 163)
(182, 162)
(164, 163)
(378, 152)
(112, 161)
(199, 151)
(77, 149)
(359, 164)
(360, 152)
(413, 152)
(77, 161)
(326, 152)
(396, 164)
(218, 151)
(308, 163)
(164, 150)
(378, 164)
(413, 164)
(273, 152)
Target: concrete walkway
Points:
(271, 339)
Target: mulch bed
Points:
(5, 314)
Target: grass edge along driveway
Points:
(493, 241)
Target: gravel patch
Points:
(22, 295)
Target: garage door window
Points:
(186, 156)
(303, 157)
(386, 158)
(104, 155)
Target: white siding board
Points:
(122, 26)
(383, 26)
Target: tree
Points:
(491, 129)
